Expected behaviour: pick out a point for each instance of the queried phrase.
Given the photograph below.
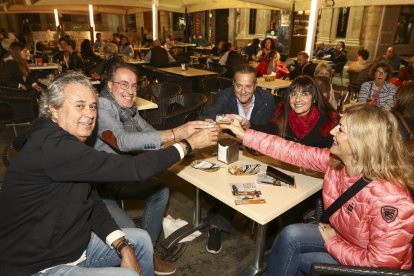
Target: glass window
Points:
(342, 22)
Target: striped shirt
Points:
(385, 98)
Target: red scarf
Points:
(302, 125)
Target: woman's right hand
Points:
(235, 127)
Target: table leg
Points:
(197, 208)
(258, 266)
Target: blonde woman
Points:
(375, 226)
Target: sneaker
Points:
(214, 241)
(162, 267)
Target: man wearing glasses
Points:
(251, 105)
(121, 130)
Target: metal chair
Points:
(162, 90)
(16, 108)
(176, 110)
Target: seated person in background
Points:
(325, 87)
(227, 48)
(338, 56)
(115, 39)
(68, 57)
(323, 69)
(157, 56)
(303, 66)
(88, 55)
(272, 64)
(361, 61)
(15, 70)
(305, 117)
(111, 58)
(201, 41)
(130, 133)
(60, 225)
(404, 105)
(375, 228)
(268, 45)
(125, 47)
(320, 50)
(218, 49)
(249, 102)
(99, 43)
(169, 43)
(406, 73)
(392, 58)
(234, 60)
(252, 50)
(379, 91)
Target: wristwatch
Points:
(121, 245)
(187, 145)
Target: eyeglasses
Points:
(248, 88)
(380, 73)
(126, 85)
(301, 94)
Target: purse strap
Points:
(348, 194)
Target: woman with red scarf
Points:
(305, 116)
(272, 64)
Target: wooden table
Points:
(273, 85)
(190, 72)
(184, 45)
(49, 66)
(45, 81)
(278, 199)
(136, 61)
(143, 104)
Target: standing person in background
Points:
(379, 91)
(99, 43)
(393, 59)
(272, 64)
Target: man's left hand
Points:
(188, 129)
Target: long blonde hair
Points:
(377, 145)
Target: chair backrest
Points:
(17, 105)
(183, 108)
(224, 82)
(162, 90)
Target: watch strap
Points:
(187, 145)
(121, 245)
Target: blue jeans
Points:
(296, 248)
(156, 201)
(101, 259)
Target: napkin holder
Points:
(228, 151)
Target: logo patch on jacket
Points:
(389, 213)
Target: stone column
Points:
(263, 18)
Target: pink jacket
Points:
(374, 228)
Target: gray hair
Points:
(110, 48)
(54, 95)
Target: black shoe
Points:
(214, 241)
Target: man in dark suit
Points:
(243, 98)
